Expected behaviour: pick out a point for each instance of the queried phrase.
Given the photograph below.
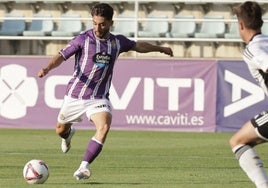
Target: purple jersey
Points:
(94, 63)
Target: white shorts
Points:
(73, 109)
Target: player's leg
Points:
(70, 112)
(100, 114)
(242, 143)
(63, 130)
(102, 121)
(66, 132)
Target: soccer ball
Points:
(35, 171)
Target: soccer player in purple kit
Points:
(96, 51)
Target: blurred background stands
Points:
(187, 26)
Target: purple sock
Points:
(93, 150)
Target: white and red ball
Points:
(35, 172)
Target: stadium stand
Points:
(212, 29)
(68, 27)
(155, 26)
(265, 26)
(185, 44)
(126, 26)
(40, 26)
(181, 28)
(233, 31)
(12, 27)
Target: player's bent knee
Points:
(105, 129)
(102, 132)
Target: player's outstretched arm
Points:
(145, 47)
(53, 63)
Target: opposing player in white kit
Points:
(255, 131)
(96, 51)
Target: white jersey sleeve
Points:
(256, 57)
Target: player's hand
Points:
(167, 50)
(43, 72)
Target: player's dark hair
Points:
(103, 10)
(250, 13)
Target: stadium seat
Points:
(265, 26)
(13, 27)
(182, 29)
(68, 27)
(125, 27)
(155, 28)
(40, 27)
(89, 25)
(212, 29)
(233, 31)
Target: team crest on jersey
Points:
(102, 59)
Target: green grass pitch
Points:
(139, 159)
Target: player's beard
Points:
(103, 34)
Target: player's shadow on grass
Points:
(82, 182)
(111, 183)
